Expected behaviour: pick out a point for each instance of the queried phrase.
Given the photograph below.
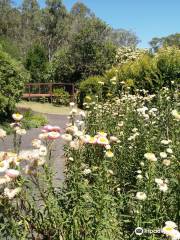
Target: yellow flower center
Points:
(103, 140)
(168, 228)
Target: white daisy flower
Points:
(150, 156)
(141, 196)
(87, 171)
(11, 193)
(163, 155)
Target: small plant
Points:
(61, 97)
(32, 120)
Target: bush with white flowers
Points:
(121, 173)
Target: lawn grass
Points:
(43, 107)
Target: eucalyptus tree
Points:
(54, 25)
(30, 24)
(171, 40)
(9, 19)
(123, 38)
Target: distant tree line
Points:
(59, 45)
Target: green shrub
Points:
(31, 120)
(144, 72)
(61, 97)
(89, 88)
(127, 54)
(12, 79)
(167, 61)
(141, 72)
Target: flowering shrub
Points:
(121, 173)
(152, 72)
(126, 54)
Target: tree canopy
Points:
(169, 41)
(53, 42)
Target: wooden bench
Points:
(37, 95)
(31, 95)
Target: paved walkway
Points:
(58, 158)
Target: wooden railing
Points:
(39, 90)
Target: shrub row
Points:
(149, 72)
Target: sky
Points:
(147, 18)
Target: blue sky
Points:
(147, 18)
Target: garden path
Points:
(58, 163)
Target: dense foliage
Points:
(12, 79)
(89, 89)
(57, 45)
(10, 47)
(36, 62)
(76, 44)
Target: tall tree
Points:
(79, 14)
(9, 20)
(92, 52)
(123, 38)
(54, 25)
(5, 9)
(31, 14)
(81, 10)
(30, 24)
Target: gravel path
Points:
(58, 163)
